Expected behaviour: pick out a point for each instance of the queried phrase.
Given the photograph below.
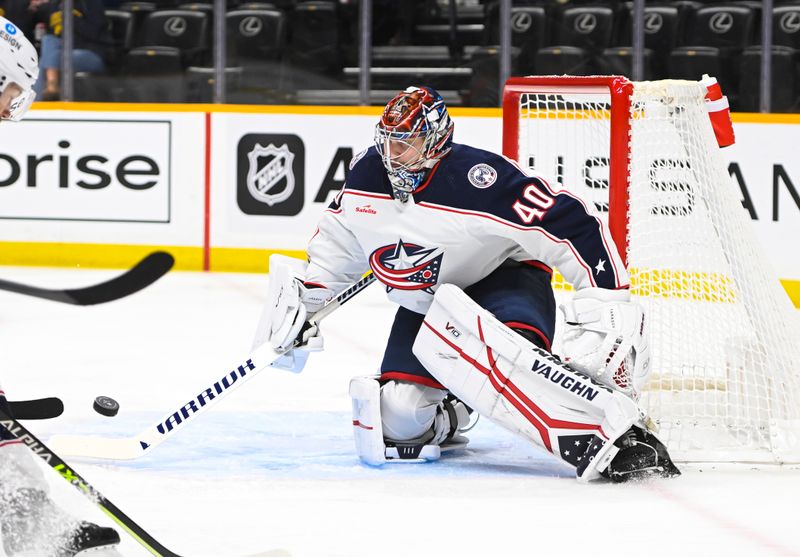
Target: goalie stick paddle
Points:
(71, 476)
(37, 409)
(143, 274)
(129, 448)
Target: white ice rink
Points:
(273, 466)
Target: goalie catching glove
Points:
(291, 304)
(606, 338)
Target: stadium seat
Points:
(411, 55)
(725, 26)
(618, 60)
(484, 85)
(256, 42)
(784, 87)
(559, 60)
(255, 35)
(528, 31)
(588, 27)
(91, 88)
(145, 7)
(728, 28)
(786, 26)
(154, 74)
(314, 43)
(200, 83)
(120, 26)
(663, 27)
(139, 11)
(185, 30)
(198, 7)
(691, 62)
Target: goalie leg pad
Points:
(404, 421)
(521, 387)
(365, 393)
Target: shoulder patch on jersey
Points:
(482, 175)
(357, 157)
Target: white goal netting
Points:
(725, 338)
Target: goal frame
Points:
(728, 381)
(620, 90)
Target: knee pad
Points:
(408, 410)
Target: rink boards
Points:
(222, 187)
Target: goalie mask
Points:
(19, 69)
(414, 133)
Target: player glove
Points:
(606, 338)
(290, 304)
(296, 304)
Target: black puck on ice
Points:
(106, 406)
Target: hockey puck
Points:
(106, 406)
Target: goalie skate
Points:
(640, 455)
(410, 452)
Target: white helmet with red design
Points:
(413, 134)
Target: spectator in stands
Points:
(19, 13)
(90, 41)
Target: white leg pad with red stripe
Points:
(365, 393)
(520, 386)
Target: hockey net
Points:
(725, 338)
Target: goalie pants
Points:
(519, 294)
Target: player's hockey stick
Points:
(70, 475)
(128, 448)
(38, 409)
(143, 274)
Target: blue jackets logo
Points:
(407, 266)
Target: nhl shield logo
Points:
(269, 177)
(270, 174)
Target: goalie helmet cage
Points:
(724, 336)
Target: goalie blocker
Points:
(530, 392)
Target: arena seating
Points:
(284, 50)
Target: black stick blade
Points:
(39, 409)
(141, 275)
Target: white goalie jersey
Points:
(475, 210)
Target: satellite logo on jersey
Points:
(482, 175)
(367, 209)
(269, 167)
(407, 266)
(270, 174)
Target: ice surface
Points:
(273, 466)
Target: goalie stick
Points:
(144, 273)
(129, 448)
(37, 409)
(71, 476)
